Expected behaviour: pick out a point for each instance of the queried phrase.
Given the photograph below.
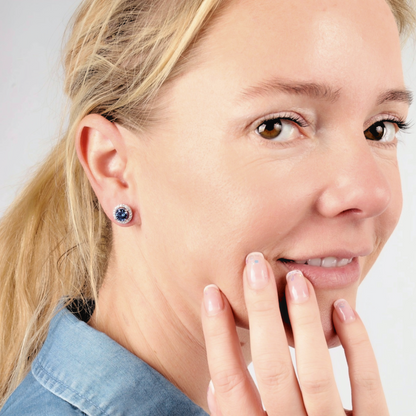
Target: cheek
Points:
(233, 215)
(387, 221)
(396, 203)
(242, 212)
(215, 210)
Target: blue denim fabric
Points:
(81, 371)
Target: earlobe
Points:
(101, 149)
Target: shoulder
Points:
(32, 399)
(80, 371)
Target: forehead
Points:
(344, 44)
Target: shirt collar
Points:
(97, 375)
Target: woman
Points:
(248, 149)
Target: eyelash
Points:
(401, 124)
(290, 117)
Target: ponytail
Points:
(41, 261)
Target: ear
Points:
(102, 151)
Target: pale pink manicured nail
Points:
(256, 271)
(213, 300)
(344, 311)
(298, 289)
(211, 398)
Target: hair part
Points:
(55, 239)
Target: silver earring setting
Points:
(122, 214)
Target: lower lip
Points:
(328, 277)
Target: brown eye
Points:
(278, 130)
(382, 131)
(270, 129)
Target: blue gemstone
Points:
(122, 215)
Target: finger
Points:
(275, 375)
(366, 388)
(316, 377)
(235, 392)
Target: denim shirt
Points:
(81, 371)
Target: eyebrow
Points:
(404, 96)
(310, 89)
(317, 91)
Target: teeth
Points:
(343, 262)
(314, 262)
(327, 262)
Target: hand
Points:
(280, 392)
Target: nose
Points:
(355, 182)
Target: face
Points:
(279, 138)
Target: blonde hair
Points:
(55, 238)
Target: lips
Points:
(326, 272)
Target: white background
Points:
(31, 105)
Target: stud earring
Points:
(122, 214)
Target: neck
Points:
(153, 321)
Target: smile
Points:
(326, 272)
(321, 262)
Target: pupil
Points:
(375, 132)
(270, 126)
(270, 129)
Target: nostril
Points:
(351, 211)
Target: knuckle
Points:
(229, 380)
(273, 375)
(307, 320)
(316, 384)
(217, 333)
(360, 342)
(263, 306)
(368, 381)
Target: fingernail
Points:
(213, 300)
(212, 405)
(298, 288)
(344, 311)
(256, 271)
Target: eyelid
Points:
(398, 120)
(286, 115)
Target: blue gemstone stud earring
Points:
(122, 214)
